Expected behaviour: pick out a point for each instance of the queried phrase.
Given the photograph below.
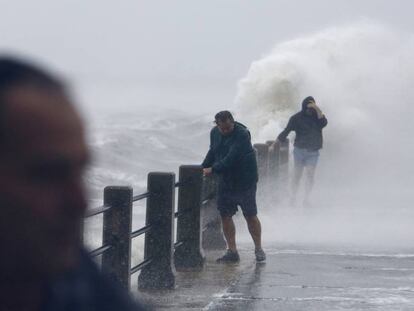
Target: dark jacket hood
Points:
(306, 101)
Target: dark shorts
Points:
(228, 200)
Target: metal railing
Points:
(161, 254)
(140, 232)
(198, 222)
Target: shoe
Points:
(229, 257)
(260, 255)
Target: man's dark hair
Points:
(223, 116)
(307, 100)
(14, 73)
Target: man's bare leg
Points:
(229, 230)
(297, 176)
(309, 182)
(255, 230)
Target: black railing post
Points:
(212, 235)
(189, 253)
(159, 241)
(117, 223)
(262, 160)
(273, 159)
(284, 160)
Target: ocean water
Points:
(128, 146)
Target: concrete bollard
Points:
(212, 234)
(117, 223)
(273, 160)
(159, 243)
(283, 174)
(284, 152)
(189, 253)
(262, 160)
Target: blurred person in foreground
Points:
(42, 199)
(231, 156)
(308, 125)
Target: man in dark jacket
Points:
(308, 125)
(43, 155)
(231, 156)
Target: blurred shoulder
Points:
(112, 297)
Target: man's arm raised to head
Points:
(321, 117)
(318, 110)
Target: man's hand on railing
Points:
(207, 171)
(273, 146)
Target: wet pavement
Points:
(196, 289)
(296, 280)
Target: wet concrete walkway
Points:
(296, 280)
(195, 290)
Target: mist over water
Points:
(360, 76)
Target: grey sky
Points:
(172, 41)
(154, 39)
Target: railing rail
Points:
(140, 197)
(100, 250)
(140, 266)
(141, 231)
(96, 211)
